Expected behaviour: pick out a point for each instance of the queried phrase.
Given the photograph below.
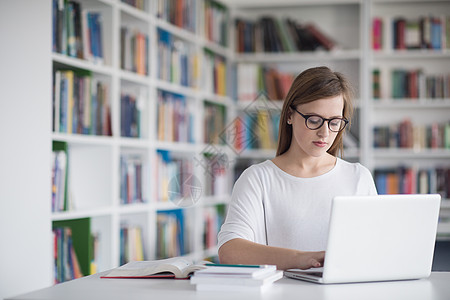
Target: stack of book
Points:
(217, 277)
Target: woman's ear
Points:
(289, 116)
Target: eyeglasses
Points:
(314, 122)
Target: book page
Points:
(147, 268)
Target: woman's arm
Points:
(241, 251)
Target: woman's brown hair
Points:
(310, 85)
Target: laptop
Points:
(378, 238)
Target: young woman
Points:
(280, 208)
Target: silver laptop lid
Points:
(384, 237)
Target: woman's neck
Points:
(304, 166)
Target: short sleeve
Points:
(366, 184)
(245, 216)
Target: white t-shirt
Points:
(295, 211)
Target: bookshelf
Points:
(129, 111)
(409, 63)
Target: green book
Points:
(82, 241)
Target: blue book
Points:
(63, 104)
(381, 182)
(436, 34)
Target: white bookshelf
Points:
(422, 111)
(94, 161)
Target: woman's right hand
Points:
(310, 259)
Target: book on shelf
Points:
(133, 175)
(214, 216)
(411, 84)
(257, 130)
(252, 79)
(214, 122)
(170, 234)
(408, 135)
(215, 75)
(413, 180)
(376, 84)
(181, 13)
(175, 118)
(268, 34)
(130, 116)
(424, 32)
(134, 46)
(66, 264)
(175, 267)
(178, 60)
(139, 4)
(74, 233)
(215, 170)
(377, 33)
(80, 103)
(60, 174)
(77, 32)
(131, 243)
(174, 178)
(216, 22)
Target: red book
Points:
(377, 34)
(324, 40)
(399, 38)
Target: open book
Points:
(176, 267)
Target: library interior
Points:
(124, 124)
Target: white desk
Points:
(92, 287)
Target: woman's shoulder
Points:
(260, 167)
(258, 170)
(354, 167)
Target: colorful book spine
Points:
(413, 180)
(412, 84)
(77, 32)
(130, 116)
(252, 79)
(174, 178)
(139, 4)
(73, 248)
(216, 18)
(133, 172)
(213, 218)
(425, 32)
(407, 135)
(215, 170)
(181, 13)
(134, 51)
(131, 244)
(178, 60)
(268, 34)
(170, 234)
(214, 122)
(215, 73)
(175, 119)
(377, 33)
(257, 130)
(81, 104)
(66, 264)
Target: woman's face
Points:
(315, 143)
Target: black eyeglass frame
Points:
(306, 117)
